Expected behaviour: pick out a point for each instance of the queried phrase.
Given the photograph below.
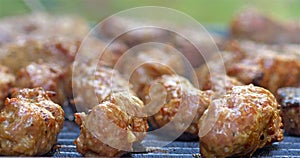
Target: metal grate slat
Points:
(289, 147)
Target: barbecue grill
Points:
(65, 147)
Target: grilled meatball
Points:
(43, 75)
(243, 120)
(216, 82)
(101, 82)
(258, 64)
(174, 96)
(145, 66)
(250, 24)
(21, 53)
(114, 122)
(41, 26)
(268, 70)
(290, 109)
(7, 80)
(29, 123)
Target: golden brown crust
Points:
(247, 118)
(111, 120)
(268, 70)
(262, 65)
(92, 87)
(176, 93)
(58, 50)
(29, 123)
(147, 65)
(43, 75)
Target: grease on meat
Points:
(246, 118)
(29, 123)
(175, 96)
(48, 76)
(113, 121)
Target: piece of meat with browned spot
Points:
(30, 123)
(173, 99)
(111, 128)
(238, 123)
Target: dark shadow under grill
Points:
(290, 146)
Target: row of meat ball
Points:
(248, 116)
(231, 119)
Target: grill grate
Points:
(290, 146)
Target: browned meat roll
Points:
(243, 120)
(45, 75)
(29, 123)
(91, 87)
(174, 96)
(290, 109)
(250, 24)
(112, 121)
(7, 80)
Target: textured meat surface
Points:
(43, 75)
(20, 53)
(142, 67)
(246, 119)
(111, 124)
(174, 96)
(290, 107)
(268, 70)
(7, 80)
(91, 86)
(29, 123)
(262, 65)
(216, 82)
(252, 25)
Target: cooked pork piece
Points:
(41, 26)
(217, 82)
(111, 127)
(142, 67)
(21, 53)
(268, 70)
(123, 29)
(264, 66)
(243, 120)
(173, 97)
(290, 109)
(250, 24)
(29, 123)
(92, 85)
(7, 80)
(45, 75)
(133, 32)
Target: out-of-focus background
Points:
(205, 11)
